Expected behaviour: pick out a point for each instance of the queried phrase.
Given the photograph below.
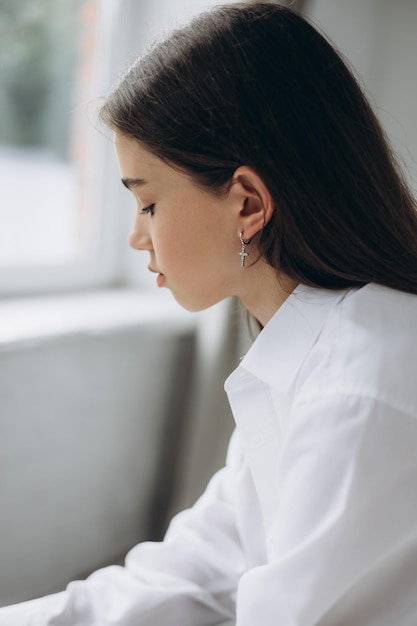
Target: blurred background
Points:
(112, 410)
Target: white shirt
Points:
(313, 520)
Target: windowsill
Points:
(28, 319)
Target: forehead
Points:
(130, 152)
(139, 166)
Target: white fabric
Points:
(313, 520)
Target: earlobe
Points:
(257, 205)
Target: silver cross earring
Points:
(243, 252)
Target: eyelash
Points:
(148, 209)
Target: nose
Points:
(139, 237)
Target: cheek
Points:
(170, 246)
(172, 238)
(188, 239)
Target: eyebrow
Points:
(131, 183)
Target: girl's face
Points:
(191, 235)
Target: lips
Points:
(160, 279)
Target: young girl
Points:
(260, 171)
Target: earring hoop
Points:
(242, 241)
(243, 254)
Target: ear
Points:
(255, 201)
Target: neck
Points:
(264, 290)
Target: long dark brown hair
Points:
(255, 84)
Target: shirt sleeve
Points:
(192, 575)
(343, 544)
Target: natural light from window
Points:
(46, 64)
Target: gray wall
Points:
(378, 37)
(91, 414)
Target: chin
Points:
(194, 305)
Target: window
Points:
(51, 156)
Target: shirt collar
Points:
(281, 347)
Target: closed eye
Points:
(148, 209)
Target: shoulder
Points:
(368, 347)
(376, 321)
(377, 308)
